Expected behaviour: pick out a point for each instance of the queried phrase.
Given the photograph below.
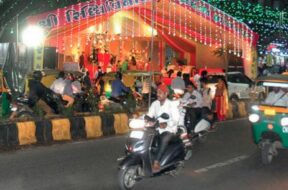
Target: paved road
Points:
(228, 160)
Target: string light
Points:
(174, 19)
(169, 12)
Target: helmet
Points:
(37, 75)
(118, 75)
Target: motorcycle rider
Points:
(167, 128)
(193, 99)
(118, 87)
(63, 87)
(38, 91)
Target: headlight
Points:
(253, 118)
(284, 121)
(255, 108)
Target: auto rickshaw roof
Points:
(273, 78)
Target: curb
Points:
(47, 131)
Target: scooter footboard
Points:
(173, 153)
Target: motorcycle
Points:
(20, 109)
(141, 150)
(126, 103)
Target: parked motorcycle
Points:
(125, 103)
(20, 109)
(141, 150)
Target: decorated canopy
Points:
(192, 27)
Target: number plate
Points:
(136, 134)
(285, 129)
(269, 112)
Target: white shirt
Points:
(156, 109)
(58, 86)
(206, 98)
(277, 99)
(188, 100)
(178, 83)
(196, 79)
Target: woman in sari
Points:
(221, 99)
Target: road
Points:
(228, 160)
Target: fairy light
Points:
(57, 33)
(95, 24)
(145, 15)
(107, 26)
(229, 35)
(210, 25)
(196, 31)
(190, 19)
(180, 21)
(133, 21)
(234, 37)
(216, 28)
(71, 31)
(201, 24)
(169, 12)
(64, 37)
(238, 40)
(223, 33)
(185, 20)
(205, 26)
(139, 21)
(87, 26)
(163, 17)
(174, 19)
(78, 27)
(156, 11)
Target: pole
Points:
(151, 51)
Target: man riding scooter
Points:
(168, 128)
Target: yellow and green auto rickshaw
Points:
(269, 117)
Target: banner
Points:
(38, 58)
(75, 13)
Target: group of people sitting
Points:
(66, 87)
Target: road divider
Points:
(47, 131)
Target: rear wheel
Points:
(127, 177)
(267, 153)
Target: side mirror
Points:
(164, 116)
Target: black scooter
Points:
(141, 150)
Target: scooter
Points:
(197, 127)
(141, 150)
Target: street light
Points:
(33, 36)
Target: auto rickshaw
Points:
(269, 117)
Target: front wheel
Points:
(127, 177)
(267, 153)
